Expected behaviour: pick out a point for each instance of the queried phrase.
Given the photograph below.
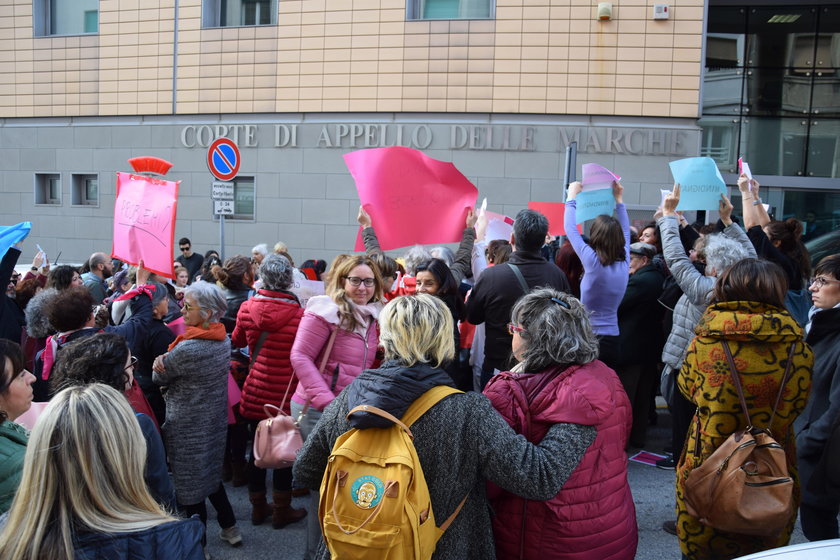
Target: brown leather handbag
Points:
(743, 487)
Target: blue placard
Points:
(590, 204)
(9, 235)
(700, 183)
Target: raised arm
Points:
(584, 252)
(689, 279)
(621, 216)
(368, 235)
(462, 264)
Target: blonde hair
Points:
(83, 471)
(335, 287)
(417, 329)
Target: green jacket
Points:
(13, 438)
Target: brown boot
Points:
(259, 507)
(284, 513)
(240, 473)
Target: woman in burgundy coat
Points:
(272, 315)
(560, 381)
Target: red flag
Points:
(554, 211)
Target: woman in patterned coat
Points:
(748, 313)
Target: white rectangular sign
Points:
(223, 207)
(222, 191)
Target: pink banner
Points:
(144, 222)
(411, 198)
(554, 211)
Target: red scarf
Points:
(216, 331)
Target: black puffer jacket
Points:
(178, 539)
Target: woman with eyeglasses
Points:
(195, 373)
(813, 428)
(559, 382)
(337, 330)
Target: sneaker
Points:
(669, 463)
(670, 527)
(231, 535)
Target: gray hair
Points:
(554, 334)
(529, 230)
(416, 256)
(445, 254)
(210, 298)
(722, 252)
(276, 272)
(262, 249)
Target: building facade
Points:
(500, 88)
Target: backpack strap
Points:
(417, 409)
(426, 401)
(518, 273)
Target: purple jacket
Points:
(602, 287)
(351, 353)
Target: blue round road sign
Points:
(223, 159)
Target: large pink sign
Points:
(144, 222)
(411, 198)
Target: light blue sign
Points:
(592, 203)
(700, 183)
(9, 235)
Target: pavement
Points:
(653, 494)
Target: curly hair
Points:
(556, 331)
(70, 309)
(61, 277)
(99, 358)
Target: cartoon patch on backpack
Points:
(367, 491)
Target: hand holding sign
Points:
(700, 183)
(144, 221)
(600, 191)
(412, 197)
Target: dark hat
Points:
(643, 249)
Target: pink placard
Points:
(554, 211)
(144, 222)
(411, 198)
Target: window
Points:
(451, 9)
(47, 188)
(235, 13)
(243, 199)
(85, 190)
(65, 17)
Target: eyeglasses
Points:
(15, 277)
(188, 307)
(821, 281)
(132, 364)
(513, 328)
(185, 248)
(356, 281)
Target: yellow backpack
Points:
(375, 503)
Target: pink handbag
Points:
(277, 439)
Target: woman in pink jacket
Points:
(559, 380)
(349, 312)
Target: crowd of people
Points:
(149, 390)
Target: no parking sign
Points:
(223, 159)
